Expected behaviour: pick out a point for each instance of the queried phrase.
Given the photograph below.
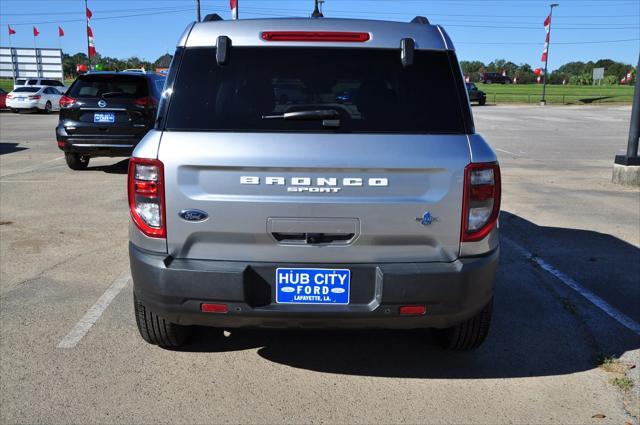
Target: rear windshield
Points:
(123, 86)
(27, 89)
(368, 88)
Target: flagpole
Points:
(546, 61)
(86, 7)
(13, 68)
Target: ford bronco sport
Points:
(314, 173)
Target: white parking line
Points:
(611, 311)
(32, 168)
(93, 314)
(510, 153)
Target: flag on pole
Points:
(60, 31)
(234, 8)
(89, 14)
(547, 27)
(11, 30)
(35, 31)
(92, 45)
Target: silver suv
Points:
(314, 173)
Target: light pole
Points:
(316, 11)
(543, 101)
(197, 10)
(626, 168)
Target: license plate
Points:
(21, 98)
(108, 117)
(312, 286)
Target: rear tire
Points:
(470, 334)
(47, 108)
(76, 161)
(156, 330)
(482, 102)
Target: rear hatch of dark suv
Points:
(108, 112)
(346, 157)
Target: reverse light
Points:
(481, 200)
(146, 196)
(66, 101)
(318, 36)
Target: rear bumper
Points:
(97, 145)
(175, 289)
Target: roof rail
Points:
(211, 17)
(418, 20)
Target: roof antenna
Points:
(316, 11)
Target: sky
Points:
(480, 29)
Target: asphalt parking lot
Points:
(568, 295)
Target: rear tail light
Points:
(146, 101)
(60, 144)
(66, 101)
(9, 96)
(34, 97)
(146, 196)
(319, 36)
(481, 201)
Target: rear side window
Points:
(125, 86)
(20, 82)
(32, 82)
(369, 89)
(27, 89)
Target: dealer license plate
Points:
(312, 286)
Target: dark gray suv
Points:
(314, 173)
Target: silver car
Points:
(314, 173)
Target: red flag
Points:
(11, 30)
(35, 31)
(234, 8)
(547, 21)
(89, 14)
(92, 46)
(60, 32)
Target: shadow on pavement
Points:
(539, 328)
(121, 167)
(6, 148)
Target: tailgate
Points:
(310, 198)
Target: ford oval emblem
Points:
(193, 215)
(102, 103)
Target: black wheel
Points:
(15, 111)
(47, 108)
(156, 330)
(470, 334)
(482, 102)
(76, 161)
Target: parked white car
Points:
(36, 98)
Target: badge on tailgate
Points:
(312, 286)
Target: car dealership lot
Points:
(567, 295)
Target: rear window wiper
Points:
(111, 93)
(319, 114)
(329, 117)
